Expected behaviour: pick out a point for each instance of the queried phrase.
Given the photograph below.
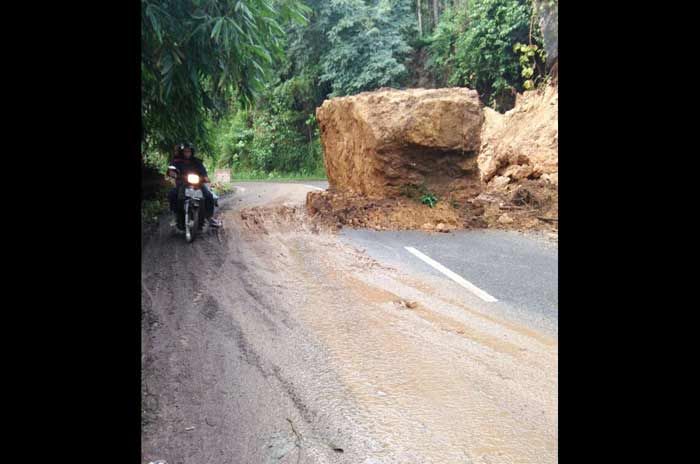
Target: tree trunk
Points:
(420, 22)
(436, 14)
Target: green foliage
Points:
(274, 136)
(441, 45)
(198, 54)
(419, 193)
(279, 176)
(429, 199)
(154, 202)
(475, 47)
(528, 62)
(152, 208)
(282, 141)
(157, 160)
(231, 138)
(366, 45)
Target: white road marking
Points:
(312, 187)
(457, 278)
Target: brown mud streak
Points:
(427, 289)
(369, 294)
(372, 294)
(294, 218)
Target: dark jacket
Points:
(189, 166)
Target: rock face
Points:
(522, 143)
(549, 24)
(377, 144)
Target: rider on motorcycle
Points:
(186, 163)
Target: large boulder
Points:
(378, 144)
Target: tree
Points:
(198, 54)
(420, 19)
(367, 45)
(475, 45)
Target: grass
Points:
(151, 209)
(278, 176)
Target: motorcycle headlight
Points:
(193, 178)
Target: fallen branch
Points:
(548, 219)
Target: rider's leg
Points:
(209, 206)
(208, 202)
(172, 199)
(179, 203)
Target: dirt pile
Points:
(378, 143)
(329, 212)
(335, 209)
(519, 163)
(272, 219)
(522, 143)
(524, 205)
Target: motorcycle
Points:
(193, 203)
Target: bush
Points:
(273, 138)
(476, 48)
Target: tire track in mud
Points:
(183, 365)
(184, 358)
(325, 427)
(290, 245)
(266, 307)
(228, 325)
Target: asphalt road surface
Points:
(272, 342)
(520, 272)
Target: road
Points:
(519, 271)
(274, 342)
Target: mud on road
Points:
(273, 341)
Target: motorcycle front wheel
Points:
(191, 230)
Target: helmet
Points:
(181, 148)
